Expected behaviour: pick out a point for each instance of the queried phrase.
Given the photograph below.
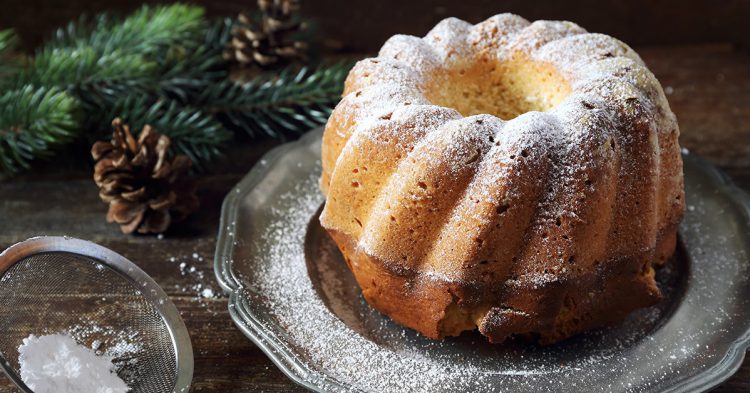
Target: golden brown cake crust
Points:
(539, 307)
(520, 178)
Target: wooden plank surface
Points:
(709, 90)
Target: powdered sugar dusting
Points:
(616, 111)
(123, 345)
(448, 38)
(582, 57)
(317, 313)
(412, 51)
(495, 33)
(542, 32)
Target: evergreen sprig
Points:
(8, 41)
(33, 121)
(8, 63)
(290, 102)
(163, 66)
(185, 75)
(107, 49)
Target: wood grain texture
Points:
(709, 91)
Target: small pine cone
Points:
(269, 43)
(146, 191)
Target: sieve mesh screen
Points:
(61, 292)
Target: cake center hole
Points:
(505, 89)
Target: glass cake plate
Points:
(291, 294)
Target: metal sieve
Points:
(51, 285)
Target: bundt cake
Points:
(522, 178)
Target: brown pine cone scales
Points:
(146, 191)
(268, 43)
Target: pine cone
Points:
(145, 190)
(269, 44)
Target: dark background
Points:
(362, 26)
(698, 49)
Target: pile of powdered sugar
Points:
(56, 363)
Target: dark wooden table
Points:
(708, 88)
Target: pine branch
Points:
(185, 76)
(153, 30)
(147, 31)
(162, 66)
(106, 51)
(8, 63)
(181, 71)
(32, 123)
(291, 102)
(143, 68)
(193, 132)
(68, 68)
(8, 41)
